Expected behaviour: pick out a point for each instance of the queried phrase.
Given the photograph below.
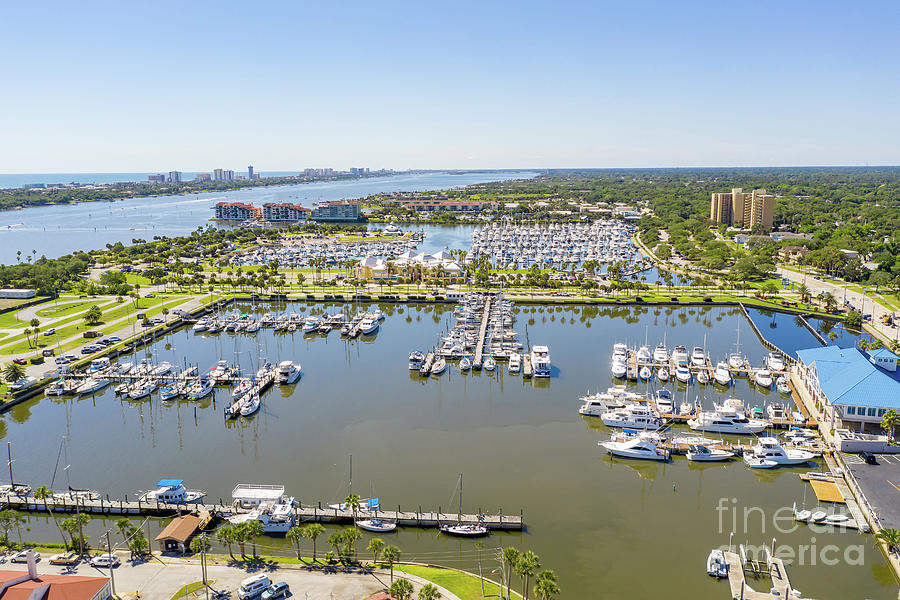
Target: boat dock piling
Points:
(780, 588)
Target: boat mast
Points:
(459, 514)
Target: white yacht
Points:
(490, 364)
(645, 373)
(172, 491)
(163, 368)
(241, 389)
(781, 384)
(201, 388)
(368, 326)
(99, 364)
(643, 355)
(464, 364)
(438, 366)
(540, 361)
(619, 368)
(276, 517)
(683, 374)
(170, 392)
(663, 374)
(632, 416)
(416, 359)
(288, 372)
(763, 378)
(736, 360)
(698, 357)
(310, 325)
(726, 420)
(769, 449)
(716, 565)
(680, 355)
(661, 354)
(664, 404)
(91, 385)
(592, 406)
(124, 368)
(377, 525)
(515, 362)
(143, 389)
(636, 447)
(775, 362)
(620, 352)
(722, 375)
(201, 325)
(250, 405)
(702, 377)
(699, 453)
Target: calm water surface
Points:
(609, 529)
(56, 230)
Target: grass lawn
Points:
(13, 302)
(139, 279)
(465, 586)
(189, 589)
(52, 312)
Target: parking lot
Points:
(881, 485)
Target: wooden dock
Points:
(780, 583)
(404, 518)
(482, 333)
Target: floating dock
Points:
(780, 587)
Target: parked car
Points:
(48, 352)
(70, 558)
(156, 320)
(114, 339)
(105, 560)
(20, 557)
(20, 361)
(869, 458)
(50, 331)
(276, 590)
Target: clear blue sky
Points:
(195, 85)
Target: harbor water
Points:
(609, 528)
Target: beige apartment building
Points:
(743, 209)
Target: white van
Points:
(253, 586)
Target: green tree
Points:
(294, 535)
(124, 527)
(890, 537)
(44, 493)
(401, 589)
(352, 501)
(200, 543)
(375, 546)
(479, 546)
(545, 585)
(225, 535)
(93, 315)
(429, 591)
(9, 520)
(526, 567)
(138, 542)
(510, 557)
(240, 536)
(890, 421)
(254, 530)
(336, 541)
(312, 531)
(13, 372)
(391, 555)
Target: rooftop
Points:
(50, 587)
(180, 529)
(847, 377)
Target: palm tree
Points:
(430, 592)
(138, 542)
(294, 535)
(35, 328)
(123, 526)
(13, 372)
(889, 422)
(225, 535)
(479, 546)
(311, 532)
(44, 493)
(336, 541)
(890, 537)
(401, 589)
(510, 558)
(391, 555)
(27, 332)
(353, 500)
(526, 566)
(239, 536)
(200, 545)
(254, 530)
(545, 585)
(375, 546)
(351, 536)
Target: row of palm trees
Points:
(526, 565)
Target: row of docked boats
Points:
(365, 323)
(327, 253)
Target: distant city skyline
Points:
(468, 85)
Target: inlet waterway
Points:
(52, 231)
(610, 529)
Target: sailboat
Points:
(365, 504)
(461, 529)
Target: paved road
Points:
(159, 579)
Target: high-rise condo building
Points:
(742, 209)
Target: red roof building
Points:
(22, 585)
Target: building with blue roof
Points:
(850, 388)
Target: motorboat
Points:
(645, 373)
(662, 374)
(252, 326)
(837, 519)
(763, 378)
(686, 408)
(241, 389)
(288, 372)
(99, 364)
(661, 354)
(683, 374)
(775, 411)
(377, 525)
(664, 401)
(755, 462)
(143, 389)
(722, 375)
(619, 369)
(170, 392)
(726, 420)
(172, 491)
(775, 362)
(201, 388)
(540, 361)
(122, 388)
(620, 352)
(124, 368)
(818, 516)
(438, 366)
(702, 377)
(465, 530)
(643, 355)
(686, 439)
(781, 384)
(368, 326)
(490, 364)
(515, 362)
(716, 566)
(416, 359)
(250, 405)
(465, 364)
(632, 416)
(160, 370)
(698, 453)
(378, 315)
(592, 406)
(698, 357)
(636, 447)
(201, 325)
(275, 517)
(311, 325)
(91, 385)
(680, 355)
(768, 448)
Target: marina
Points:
(353, 397)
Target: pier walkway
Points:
(404, 518)
(780, 588)
(482, 333)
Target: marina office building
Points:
(741, 209)
(850, 388)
